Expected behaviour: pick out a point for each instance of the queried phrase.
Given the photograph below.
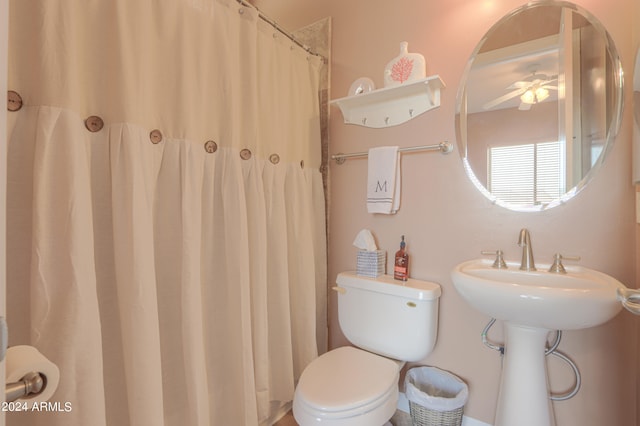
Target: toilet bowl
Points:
(347, 386)
(391, 322)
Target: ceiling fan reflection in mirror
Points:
(533, 89)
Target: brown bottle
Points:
(401, 268)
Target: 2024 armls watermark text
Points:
(49, 407)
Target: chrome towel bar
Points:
(444, 147)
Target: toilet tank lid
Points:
(412, 288)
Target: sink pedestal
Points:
(531, 303)
(523, 399)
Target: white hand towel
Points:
(383, 182)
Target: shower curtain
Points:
(166, 229)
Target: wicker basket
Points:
(436, 397)
(422, 416)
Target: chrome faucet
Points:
(524, 241)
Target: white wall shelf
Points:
(391, 106)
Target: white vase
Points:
(404, 68)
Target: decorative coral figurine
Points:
(404, 67)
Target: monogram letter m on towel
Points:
(383, 181)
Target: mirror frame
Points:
(614, 125)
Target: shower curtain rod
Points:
(282, 30)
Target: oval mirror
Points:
(539, 106)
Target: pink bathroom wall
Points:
(636, 105)
(446, 220)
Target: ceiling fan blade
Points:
(547, 81)
(550, 87)
(524, 106)
(497, 101)
(519, 85)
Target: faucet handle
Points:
(499, 262)
(557, 266)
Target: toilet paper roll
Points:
(24, 359)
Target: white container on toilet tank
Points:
(396, 319)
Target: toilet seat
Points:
(345, 385)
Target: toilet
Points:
(390, 322)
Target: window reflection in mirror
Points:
(542, 94)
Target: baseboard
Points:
(403, 405)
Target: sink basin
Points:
(530, 304)
(581, 298)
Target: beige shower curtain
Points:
(171, 275)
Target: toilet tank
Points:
(396, 319)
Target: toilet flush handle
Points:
(340, 290)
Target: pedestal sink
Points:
(532, 303)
